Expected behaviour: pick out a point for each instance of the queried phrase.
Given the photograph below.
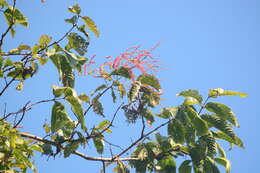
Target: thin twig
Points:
(20, 120)
(9, 27)
(141, 138)
(203, 105)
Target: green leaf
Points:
(59, 117)
(78, 43)
(17, 17)
(72, 20)
(102, 125)
(70, 148)
(75, 103)
(167, 165)
(44, 40)
(20, 86)
(199, 124)
(113, 95)
(222, 111)
(122, 71)
(210, 166)
(99, 88)
(224, 162)
(221, 151)
(134, 90)
(58, 91)
(74, 9)
(84, 98)
(191, 93)
(99, 143)
(185, 167)
(219, 124)
(177, 131)
(97, 106)
(222, 135)
(36, 148)
(91, 25)
(190, 101)
(168, 112)
(221, 92)
(210, 143)
(149, 80)
(8, 62)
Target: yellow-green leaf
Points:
(91, 25)
(221, 92)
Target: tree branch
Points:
(39, 139)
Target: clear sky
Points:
(205, 44)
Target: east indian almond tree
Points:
(192, 131)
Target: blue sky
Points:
(205, 45)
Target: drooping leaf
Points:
(221, 92)
(134, 90)
(75, 103)
(97, 106)
(149, 80)
(59, 117)
(177, 131)
(185, 167)
(210, 143)
(91, 25)
(113, 95)
(222, 111)
(224, 162)
(70, 148)
(99, 143)
(222, 135)
(219, 124)
(191, 93)
(221, 151)
(199, 124)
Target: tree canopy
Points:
(193, 130)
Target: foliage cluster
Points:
(194, 128)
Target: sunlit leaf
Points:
(85, 98)
(102, 125)
(91, 25)
(17, 17)
(224, 162)
(20, 86)
(59, 117)
(191, 93)
(44, 40)
(221, 92)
